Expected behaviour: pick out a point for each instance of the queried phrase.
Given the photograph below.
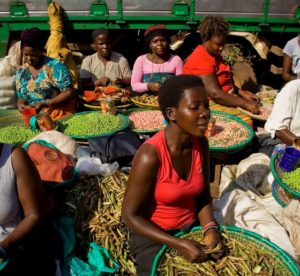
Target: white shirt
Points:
(292, 49)
(286, 110)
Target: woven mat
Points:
(10, 116)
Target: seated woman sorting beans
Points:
(168, 187)
(152, 69)
(43, 82)
(105, 67)
(207, 63)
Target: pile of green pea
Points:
(90, 124)
(16, 134)
(292, 179)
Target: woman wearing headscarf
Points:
(152, 69)
(43, 82)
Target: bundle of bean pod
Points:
(96, 204)
(242, 257)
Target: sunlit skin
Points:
(193, 114)
(102, 45)
(159, 46)
(34, 57)
(215, 45)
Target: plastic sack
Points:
(99, 262)
(89, 163)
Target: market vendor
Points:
(105, 67)
(207, 63)
(284, 121)
(291, 59)
(152, 69)
(43, 82)
(21, 215)
(168, 186)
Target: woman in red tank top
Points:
(168, 187)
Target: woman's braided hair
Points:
(213, 26)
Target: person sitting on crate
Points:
(283, 125)
(168, 186)
(291, 59)
(43, 82)
(152, 69)
(21, 215)
(105, 67)
(207, 63)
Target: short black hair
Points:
(172, 90)
(98, 32)
(213, 26)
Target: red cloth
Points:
(175, 204)
(200, 62)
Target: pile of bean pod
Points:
(242, 258)
(96, 204)
(16, 134)
(146, 120)
(90, 124)
(292, 179)
(227, 133)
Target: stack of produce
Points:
(241, 256)
(96, 204)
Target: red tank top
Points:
(174, 198)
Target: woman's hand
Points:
(22, 106)
(39, 105)
(213, 242)
(102, 82)
(191, 250)
(247, 95)
(153, 86)
(251, 106)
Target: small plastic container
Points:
(45, 122)
(290, 159)
(27, 113)
(108, 105)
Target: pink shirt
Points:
(174, 198)
(143, 66)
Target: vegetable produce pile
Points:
(227, 133)
(146, 120)
(96, 204)
(292, 179)
(146, 99)
(90, 124)
(243, 257)
(16, 134)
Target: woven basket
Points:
(277, 173)
(240, 145)
(284, 262)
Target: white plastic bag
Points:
(89, 163)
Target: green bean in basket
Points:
(242, 258)
(16, 134)
(91, 123)
(292, 179)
